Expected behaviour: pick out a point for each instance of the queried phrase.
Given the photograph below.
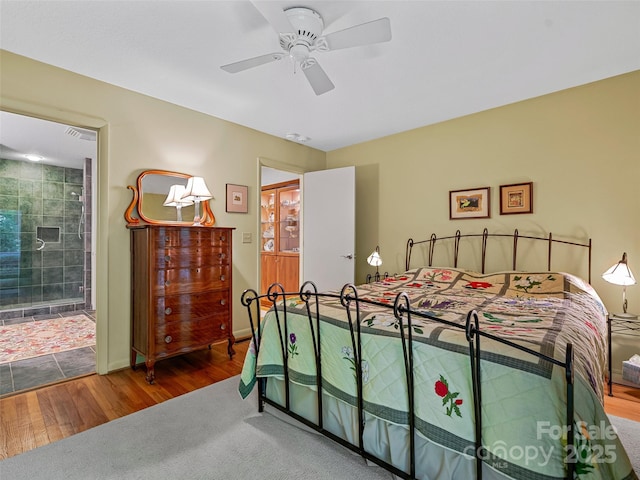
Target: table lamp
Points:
(174, 199)
(375, 261)
(620, 274)
(196, 191)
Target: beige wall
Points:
(579, 147)
(138, 133)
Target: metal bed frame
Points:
(403, 312)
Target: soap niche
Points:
(48, 234)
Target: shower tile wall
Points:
(33, 195)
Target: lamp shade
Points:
(374, 259)
(620, 273)
(196, 190)
(174, 199)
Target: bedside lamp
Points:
(196, 191)
(620, 274)
(375, 261)
(174, 199)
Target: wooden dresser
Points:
(181, 291)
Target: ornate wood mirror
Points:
(150, 194)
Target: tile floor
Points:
(38, 371)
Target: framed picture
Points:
(516, 198)
(469, 203)
(237, 198)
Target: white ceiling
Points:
(57, 144)
(446, 58)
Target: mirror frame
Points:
(208, 219)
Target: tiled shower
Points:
(45, 238)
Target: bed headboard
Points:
(485, 235)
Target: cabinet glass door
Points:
(268, 221)
(288, 216)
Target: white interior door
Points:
(328, 223)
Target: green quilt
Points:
(524, 399)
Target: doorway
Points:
(279, 261)
(326, 224)
(48, 174)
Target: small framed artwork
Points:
(237, 198)
(516, 198)
(472, 203)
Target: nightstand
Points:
(623, 326)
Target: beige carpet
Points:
(207, 434)
(44, 337)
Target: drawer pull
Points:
(168, 339)
(167, 258)
(223, 238)
(223, 326)
(222, 278)
(223, 256)
(223, 302)
(167, 311)
(167, 283)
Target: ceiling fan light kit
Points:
(306, 36)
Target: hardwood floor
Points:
(624, 403)
(35, 418)
(32, 419)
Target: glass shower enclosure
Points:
(45, 218)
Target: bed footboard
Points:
(306, 306)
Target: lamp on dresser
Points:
(174, 199)
(196, 191)
(620, 274)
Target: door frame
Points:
(100, 213)
(285, 167)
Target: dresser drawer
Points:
(220, 238)
(190, 237)
(191, 280)
(190, 306)
(176, 336)
(180, 237)
(174, 257)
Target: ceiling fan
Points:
(300, 30)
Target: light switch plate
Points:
(246, 237)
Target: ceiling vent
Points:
(81, 133)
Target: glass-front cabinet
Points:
(288, 211)
(268, 221)
(280, 235)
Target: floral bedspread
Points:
(524, 400)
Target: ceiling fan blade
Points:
(375, 31)
(316, 76)
(252, 62)
(275, 15)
